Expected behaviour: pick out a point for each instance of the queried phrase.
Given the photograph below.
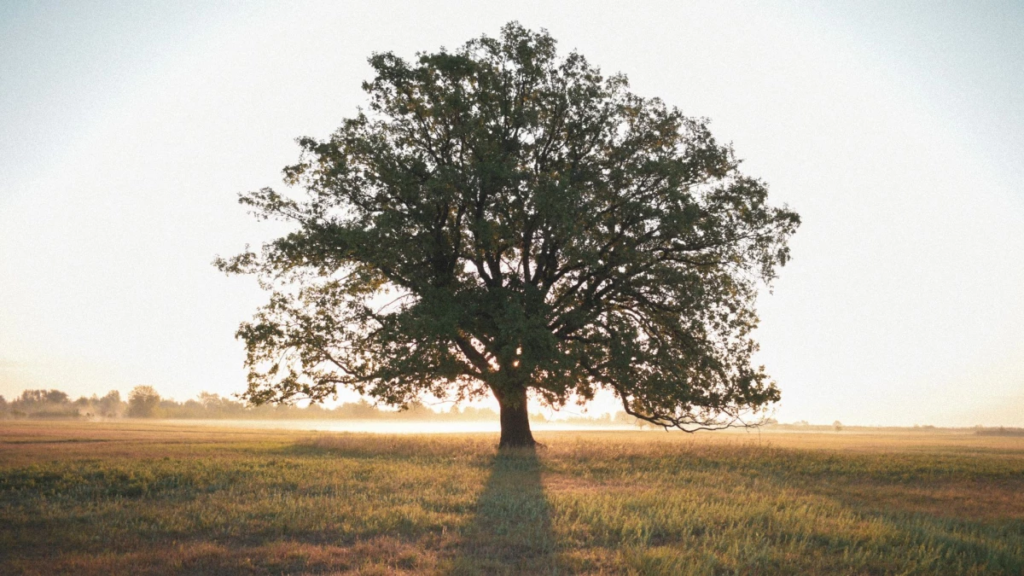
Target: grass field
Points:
(91, 498)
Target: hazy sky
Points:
(895, 129)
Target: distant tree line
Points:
(146, 402)
(57, 404)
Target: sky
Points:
(896, 130)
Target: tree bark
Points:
(515, 419)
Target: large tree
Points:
(502, 220)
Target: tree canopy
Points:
(501, 219)
(143, 402)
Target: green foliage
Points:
(501, 219)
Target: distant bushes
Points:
(146, 402)
(1000, 431)
(57, 404)
(143, 402)
(56, 413)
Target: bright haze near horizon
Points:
(896, 130)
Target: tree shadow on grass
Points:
(511, 530)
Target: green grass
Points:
(84, 498)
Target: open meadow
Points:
(150, 498)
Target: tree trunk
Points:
(515, 419)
